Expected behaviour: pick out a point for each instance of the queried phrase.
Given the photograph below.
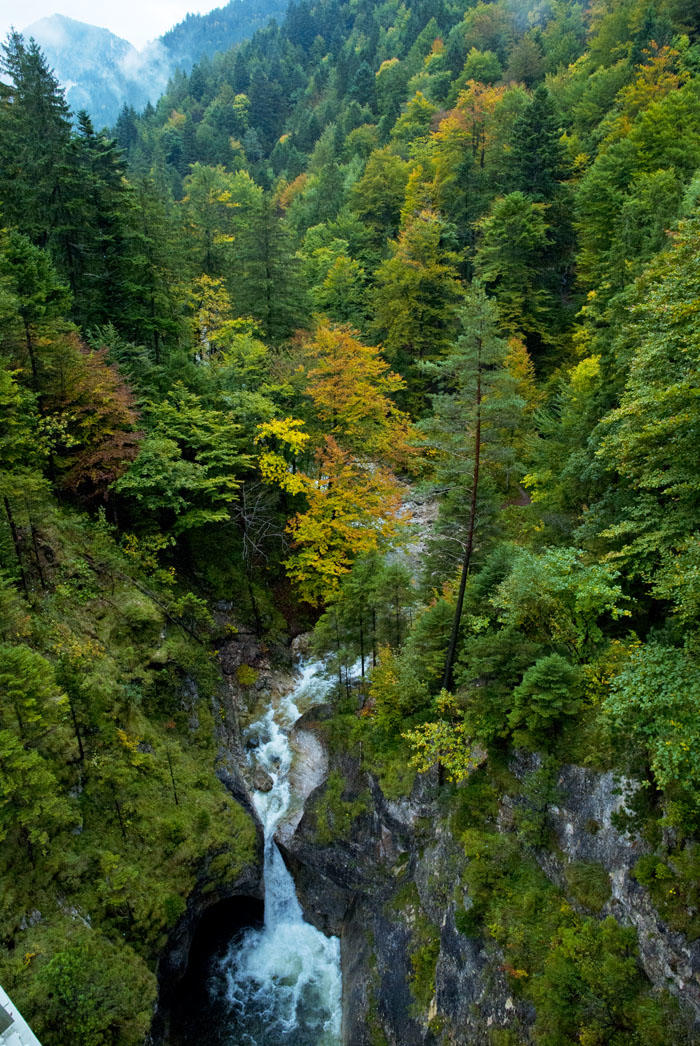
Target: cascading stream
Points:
(283, 982)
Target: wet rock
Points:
(300, 645)
(262, 782)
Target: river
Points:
(281, 984)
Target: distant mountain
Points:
(199, 35)
(100, 72)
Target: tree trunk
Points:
(374, 637)
(76, 728)
(16, 543)
(32, 357)
(255, 608)
(118, 808)
(447, 681)
(362, 649)
(172, 777)
(35, 546)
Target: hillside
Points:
(378, 263)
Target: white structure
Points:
(14, 1030)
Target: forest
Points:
(437, 248)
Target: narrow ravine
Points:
(282, 983)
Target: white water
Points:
(283, 982)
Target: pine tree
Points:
(268, 284)
(510, 259)
(471, 437)
(41, 296)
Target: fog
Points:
(133, 20)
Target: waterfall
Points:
(283, 982)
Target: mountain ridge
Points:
(101, 71)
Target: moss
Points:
(474, 802)
(246, 675)
(588, 883)
(405, 899)
(335, 815)
(424, 947)
(424, 956)
(505, 1037)
(387, 759)
(468, 921)
(373, 1023)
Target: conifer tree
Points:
(471, 435)
(34, 138)
(416, 297)
(40, 295)
(537, 158)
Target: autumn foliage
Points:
(92, 421)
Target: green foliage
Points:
(443, 741)
(483, 66)
(548, 691)
(558, 597)
(649, 438)
(186, 474)
(538, 155)
(470, 437)
(513, 241)
(597, 961)
(424, 957)
(672, 881)
(655, 703)
(92, 995)
(416, 296)
(588, 883)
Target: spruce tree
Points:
(34, 137)
(537, 159)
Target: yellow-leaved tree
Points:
(353, 500)
(351, 386)
(351, 509)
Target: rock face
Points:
(583, 823)
(309, 771)
(210, 894)
(388, 887)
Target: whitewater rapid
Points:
(282, 982)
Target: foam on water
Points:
(283, 982)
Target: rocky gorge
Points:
(391, 876)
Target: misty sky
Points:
(135, 20)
